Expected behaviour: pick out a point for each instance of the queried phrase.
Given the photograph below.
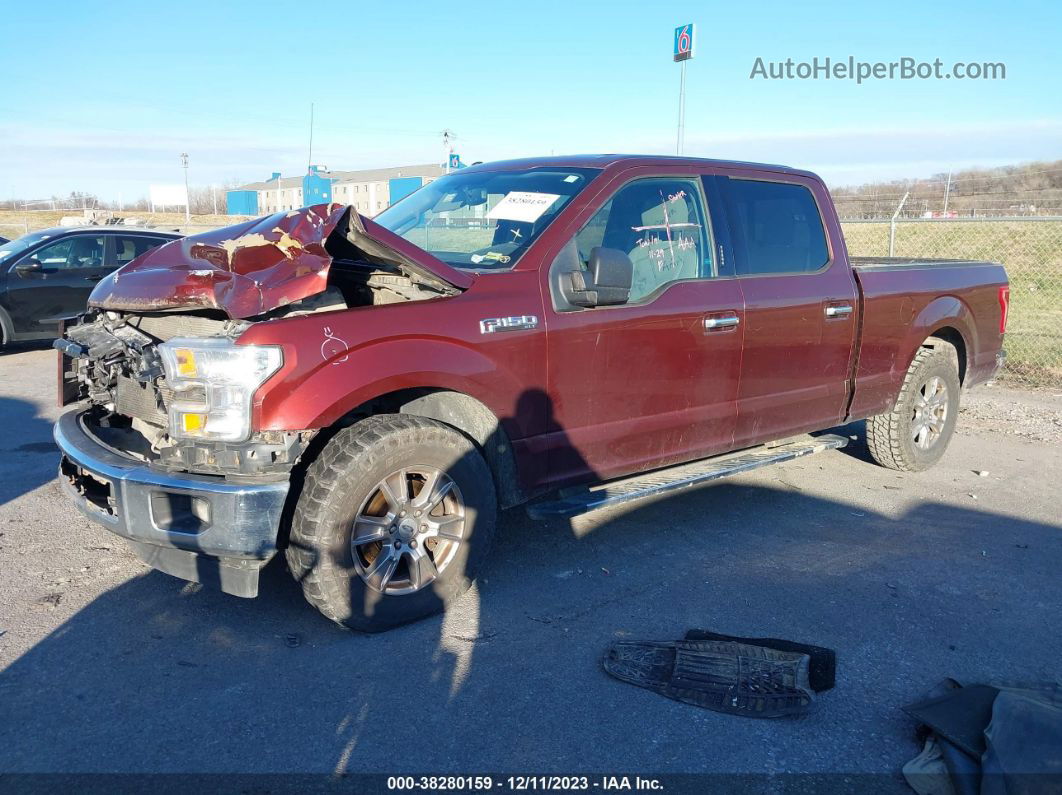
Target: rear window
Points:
(129, 247)
(779, 225)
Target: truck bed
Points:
(881, 263)
(904, 300)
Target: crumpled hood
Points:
(259, 265)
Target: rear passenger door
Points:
(128, 247)
(800, 307)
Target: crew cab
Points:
(563, 333)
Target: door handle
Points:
(844, 310)
(721, 323)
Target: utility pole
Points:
(187, 196)
(214, 194)
(309, 156)
(448, 137)
(947, 190)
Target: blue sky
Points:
(103, 97)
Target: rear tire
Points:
(396, 516)
(915, 434)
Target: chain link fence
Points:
(1031, 251)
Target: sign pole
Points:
(682, 108)
(187, 198)
(682, 52)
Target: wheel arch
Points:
(466, 414)
(7, 328)
(946, 318)
(954, 337)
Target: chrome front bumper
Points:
(197, 527)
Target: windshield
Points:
(18, 245)
(484, 220)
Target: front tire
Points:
(396, 516)
(915, 434)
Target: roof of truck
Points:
(606, 160)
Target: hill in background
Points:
(1021, 190)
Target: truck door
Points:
(800, 307)
(652, 381)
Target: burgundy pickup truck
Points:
(566, 333)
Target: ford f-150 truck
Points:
(566, 333)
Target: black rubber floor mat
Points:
(738, 678)
(822, 673)
(960, 716)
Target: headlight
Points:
(213, 383)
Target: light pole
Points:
(448, 137)
(187, 197)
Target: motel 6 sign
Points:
(684, 42)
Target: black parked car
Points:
(46, 276)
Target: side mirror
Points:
(608, 282)
(31, 265)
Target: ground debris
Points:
(51, 599)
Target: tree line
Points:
(1020, 190)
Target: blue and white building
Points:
(369, 191)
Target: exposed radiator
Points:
(134, 399)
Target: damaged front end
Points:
(161, 452)
(175, 392)
(157, 358)
(162, 449)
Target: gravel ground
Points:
(108, 666)
(1036, 416)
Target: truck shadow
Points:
(27, 451)
(155, 675)
(12, 348)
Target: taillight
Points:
(1004, 308)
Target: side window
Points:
(77, 251)
(661, 225)
(129, 247)
(778, 225)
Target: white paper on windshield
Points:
(522, 205)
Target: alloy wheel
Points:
(929, 413)
(408, 530)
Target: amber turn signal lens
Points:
(192, 423)
(185, 363)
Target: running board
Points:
(616, 492)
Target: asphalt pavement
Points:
(107, 666)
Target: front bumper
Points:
(198, 527)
